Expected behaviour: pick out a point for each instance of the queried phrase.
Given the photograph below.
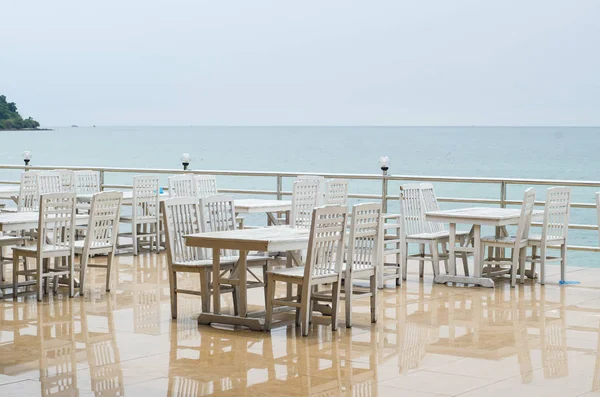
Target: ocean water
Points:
(515, 152)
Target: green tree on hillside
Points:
(10, 119)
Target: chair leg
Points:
(513, 269)
(71, 264)
(422, 260)
(435, 259)
(348, 298)
(158, 237)
(522, 262)
(304, 308)
(269, 303)
(82, 270)
(563, 261)
(46, 263)
(109, 264)
(40, 280)
(543, 263)
(134, 236)
(398, 267)
(374, 307)
(404, 263)
(15, 277)
(298, 310)
(533, 258)
(173, 293)
(445, 252)
(335, 302)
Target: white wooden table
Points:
(267, 239)
(9, 192)
(127, 197)
(259, 206)
(10, 221)
(478, 216)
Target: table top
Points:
(479, 215)
(27, 220)
(249, 206)
(272, 238)
(8, 192)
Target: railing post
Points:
(502, 194)
(279, 188)
(101, 180)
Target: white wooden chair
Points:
(306, 196)
(181, 217)
(362, 259)
(430, 203)
(415, 230)
(86, 182)
(56, 233)
(66, 180)
(182, 186)
(101, 234)
(29, 195)
(555, 229)
(517, 243)
(49, 182)
(28, 201)
(323, 266)
(206, 185)
(336, 192)
(145, 214)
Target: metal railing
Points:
(384, 179)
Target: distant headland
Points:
(10, 119)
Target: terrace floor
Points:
(431, 340)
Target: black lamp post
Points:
(26, 157)
(185, 160)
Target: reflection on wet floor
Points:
(431, 340)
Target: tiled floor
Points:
(431, 340)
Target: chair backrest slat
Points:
(411, 209)
(218, 213)
(556, 213)
(86, 182)
(326, 241)
(430, 203)
(305, 198)
(103, 224)
(526, 213)
(29, 195)
(365, 235)
(206, 185)
(336, 192)
(145, 198)
(56, 224)
(181, 217)
(49, 182)
(66, 180)
(182, 186)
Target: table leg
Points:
(243, 286)
(477, 254)
(453, 278)
(451, 249)
(216, 284)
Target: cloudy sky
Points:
(310, 62)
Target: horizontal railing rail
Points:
(384, 179)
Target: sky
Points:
(310, 62)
